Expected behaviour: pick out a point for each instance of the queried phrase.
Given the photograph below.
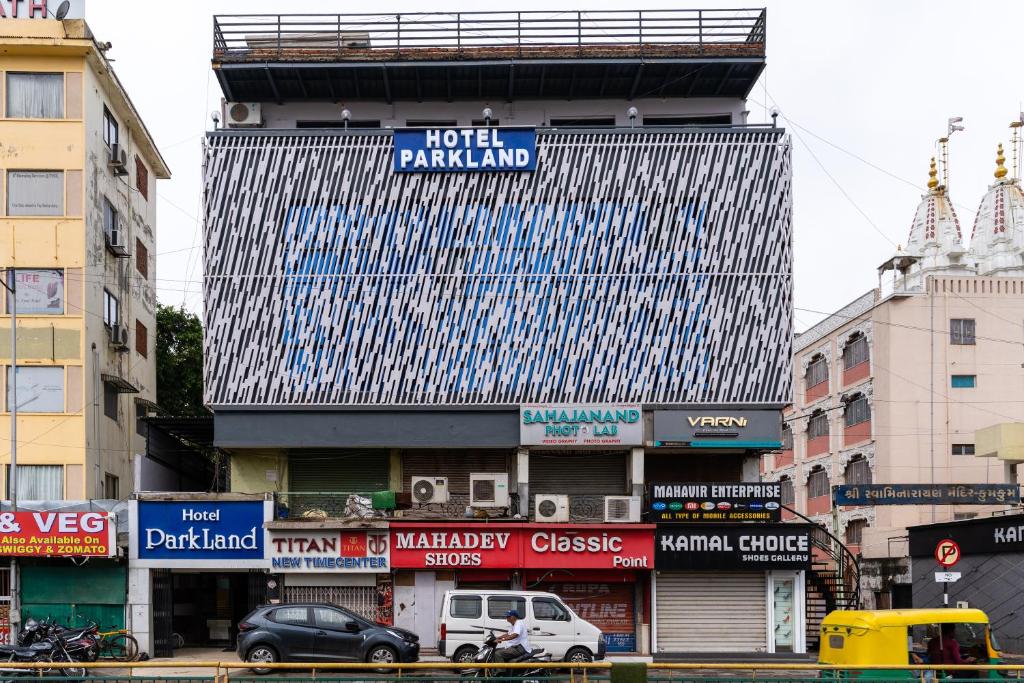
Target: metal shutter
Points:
(711, 612)
(456, 465)
(339, 471)
(561, 473)
(360, 599)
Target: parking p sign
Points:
(947, 552)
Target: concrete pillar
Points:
(751, 468)
(140, 608)
(523, 480)
(636, 472)
(395, 470)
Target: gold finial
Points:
(1000, 160)
(933, 180)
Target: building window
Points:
(38, 291)
(961, 331)
(141, 258)
(963, 449)
(858, 471)
(141, 339)
(141, 178)
(787, 438)
(857, 411)
(35, 96)
(964, 381)
(582, 122)
(855, 531)
(35, 193)
(110, 132)
(110, 401)
(40, 389)
(817, 483)
(708, 120)
(111, 309)
(960, 516)
(38, 482)
(110, 486)
(817, 425)
(112, 224)
(484, 123)
(787, 492)
(428, 123)
(354, 123)
(855, 352)
(817, 372)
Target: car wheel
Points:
(464, 655)
(579, 655)
(261, 654)
(382, 654)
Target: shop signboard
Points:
(717, 429)
(199, 533)
(927, 494)
(573, 425)
(40, 9)
(465, 149)
(497, 546)
(732, 548)
(58, 534)
(684, 503)
(329, 550)
(39, 290)
(981, 536)
(608, 606)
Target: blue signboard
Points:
(200, 530)
(927, 494)
(421, 150)
(620, 642)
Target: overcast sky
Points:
(873, 79)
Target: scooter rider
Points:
(516, 642)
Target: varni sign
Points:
(419, 150)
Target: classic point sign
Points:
(580, 425)
(63, 534)
(465, 149)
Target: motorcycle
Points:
(487, 655)
(52, 649)
(82, 644)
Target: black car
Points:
(320, 632)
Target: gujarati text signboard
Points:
(927, 494)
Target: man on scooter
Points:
(516, 642)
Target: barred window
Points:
(817, 425)
(857, 411)
(817, 371)
(817, 484)
(855, 531)
(855, 352)
(787, 438)
(961, 331)
(963, 449)
(787, 494)
(858, 471)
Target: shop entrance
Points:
(202, 608)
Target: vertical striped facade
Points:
(647, 266)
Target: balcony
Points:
(489, 55)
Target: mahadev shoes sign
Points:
(57, 534)
(329, 550)
(564, 424)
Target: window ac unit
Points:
(243, 114)
(551, 508)
(488, 490)
(118, 337)
(115, 242)
(622, 508)
(118, 162)
(429, 490)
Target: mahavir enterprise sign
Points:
(420, 150)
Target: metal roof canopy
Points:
(197, 430)
(500, 80)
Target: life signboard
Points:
(199, 533)
(732, 548)
(421, 150)
(558, 424)
(329, 550)
(927, 494)
(947, 552)
(683, 503)
(58, 534)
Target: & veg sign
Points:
(57, 534)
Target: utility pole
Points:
(12, 478)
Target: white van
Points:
(467, 615)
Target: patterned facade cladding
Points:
(637, 266)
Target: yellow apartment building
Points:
(77, 245)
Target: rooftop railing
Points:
(497, 34)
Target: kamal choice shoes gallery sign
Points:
(419, 150)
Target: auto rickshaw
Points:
(901, 637)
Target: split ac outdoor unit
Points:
(488, 490)
(118, 162)
(622, 508)
(551, 508)
(243, 114)
(428, 490)
(118, 337)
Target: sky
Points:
(864, 88)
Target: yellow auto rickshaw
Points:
(902, 637)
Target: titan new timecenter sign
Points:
(557, 424)
(329, 550)
(465, 149)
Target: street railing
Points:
(281, 36)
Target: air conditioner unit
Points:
(243, 114)
(429, 490)
(488, 490)
(115, 242)
(118, 337)
(551, 508)
(622, 508)
(118, 162)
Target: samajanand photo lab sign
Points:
(199, 533)
(557, 424)
(419, 150)
(733, 548)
